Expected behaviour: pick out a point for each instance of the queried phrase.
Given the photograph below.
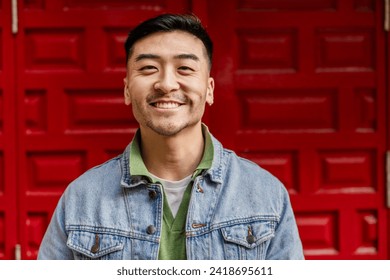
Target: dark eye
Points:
(185, 69)
(148, 69)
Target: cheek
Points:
(137, 91)
(196, 87)
(141, 82)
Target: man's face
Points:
(168, 82)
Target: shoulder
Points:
(231, 166)
(252, 190)
(244, 180)
(92, 198)
(250, 170)
(96, 179)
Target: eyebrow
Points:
(187, 56)
(146, 56)
(154, 56)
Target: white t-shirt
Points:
(174, 191)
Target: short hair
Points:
(169, 23)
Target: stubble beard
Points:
(167, 130)
(164, 126)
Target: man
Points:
(175, 192)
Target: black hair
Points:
(169, 23)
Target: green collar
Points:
(138, 168)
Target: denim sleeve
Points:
(286, 245)
(53, 246)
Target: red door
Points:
(8, 190)
(301, 88)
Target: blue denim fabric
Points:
(237, 211)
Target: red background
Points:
(300, 89)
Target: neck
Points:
(172, 157)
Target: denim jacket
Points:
(237, 211)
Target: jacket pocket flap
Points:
(94, 245)
(249, 235)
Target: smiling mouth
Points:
(166, 105)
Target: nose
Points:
(167, 82)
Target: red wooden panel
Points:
(1, 112)
(345, 50)
(55, 50)
(36, 224)
(307, 77)
(34, 4)
(368, 233)
(289, 110)
(8, 213)
(2, 175)
(351, 172)
(35, 103)
(364, 5)
(280, 5)
(319, 233)
(365, 108)
(2, 237)
(115, 56)
(1, 49)
(97, 110)
(115, 4)
(268, 50)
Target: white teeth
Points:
(167, 105)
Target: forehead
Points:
(169, 43)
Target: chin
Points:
(170, 129)
(166, 130)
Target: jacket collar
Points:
(215, 173)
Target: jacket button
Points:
(150, 229)
(251, 239)
(152, 194)
(95, 248)
(199, 188)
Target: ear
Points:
(210, 92)
(126, 92)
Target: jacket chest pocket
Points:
(95, 246)
(247, 241)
